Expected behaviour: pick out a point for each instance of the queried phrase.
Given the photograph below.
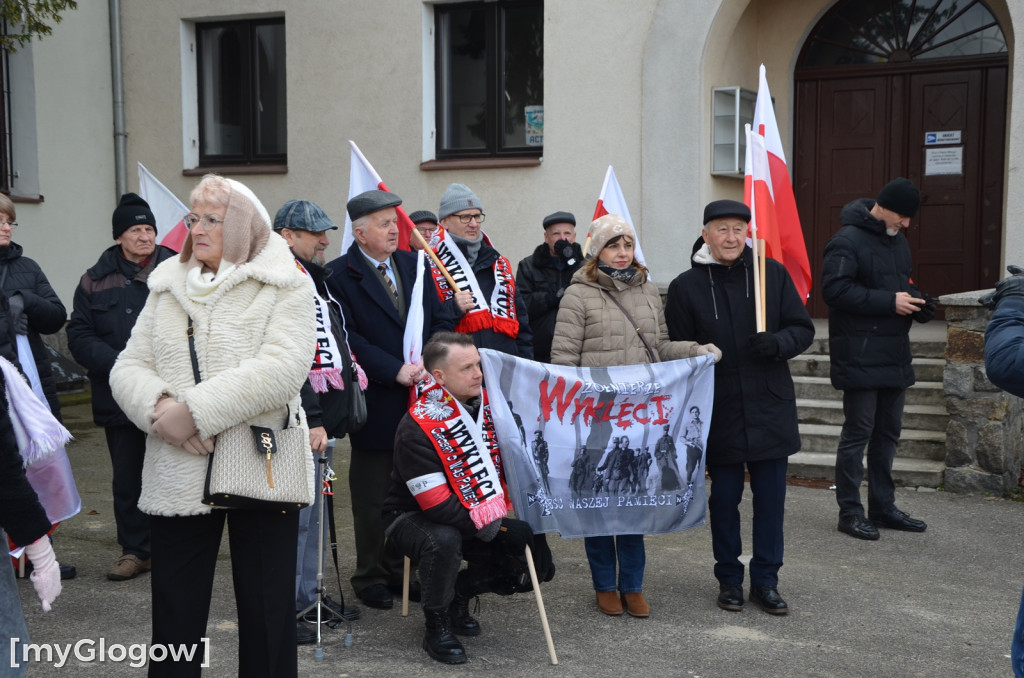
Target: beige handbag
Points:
(256, 467)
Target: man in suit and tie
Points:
(373, 282)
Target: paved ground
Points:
(941, 603)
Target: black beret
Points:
(419, 216)
(723, 209)
(370, 202)
(559, 218)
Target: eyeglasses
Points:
(12, 224)
(211, 221)
(466, 218)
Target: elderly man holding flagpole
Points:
(754, 421)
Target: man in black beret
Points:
(373, 283)
(425, 222)
(866, 282)
(543, 276)
(754, 425)
(108, 300)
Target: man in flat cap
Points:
(866, 282)
(373, 282)
(325, 398)
(107, 303)
(754, 421)
(543, 276)
(425, 222)
(489, 305)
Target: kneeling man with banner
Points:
(448, 500)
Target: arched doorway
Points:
(914, 88)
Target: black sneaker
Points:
(895, 519)
(858, 526)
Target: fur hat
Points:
(132, 210)
(246, 227)
(606, 228)
(901, 196)
(458, 197)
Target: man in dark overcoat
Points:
(753, 421)
(373, 282)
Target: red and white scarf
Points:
(325, 371)
(468, 449)
(500, 313)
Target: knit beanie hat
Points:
(246, 227)
(901, 196)
(606, 228)
(131, 211)
(458, 197)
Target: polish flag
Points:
(781, 230)
(361, 178)
(168, 210)
(611, 201)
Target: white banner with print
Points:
(597, 451)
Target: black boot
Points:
(462, 623)
(439, 641)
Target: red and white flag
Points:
(611, 201)
(780, 229)
(361, 178)
(168, 210)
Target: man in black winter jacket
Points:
(543, 276)
(107, 302)
(866, 282)
(753, 427)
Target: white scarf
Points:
(37, 431)
(201, 284)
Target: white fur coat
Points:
(255, 339)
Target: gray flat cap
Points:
(370, 202)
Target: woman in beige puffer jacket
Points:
(592, 331)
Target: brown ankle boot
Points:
(636, 604)
(609, 603)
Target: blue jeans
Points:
(874, 418)
(308, 559)
(12, 619)
(628, 550)
(1017, 647)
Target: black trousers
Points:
(127, 446)
(263, 546)
(768, 486)
(369, 479)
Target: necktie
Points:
(383, 268)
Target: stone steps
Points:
(907, 472)
(817, 365)
(820, 388)
(920, 458)
(830, 412)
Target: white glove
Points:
(705, 349)
(45, 571)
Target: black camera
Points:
(564, 249)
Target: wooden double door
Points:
(943, 126)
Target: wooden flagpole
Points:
(761, 253)
(437, 262)
(540, 606)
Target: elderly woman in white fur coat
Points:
(253, 318)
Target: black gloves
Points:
(764, 345)
(515, 536)
(927, 312)
(1007, 287)
(542, 560)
